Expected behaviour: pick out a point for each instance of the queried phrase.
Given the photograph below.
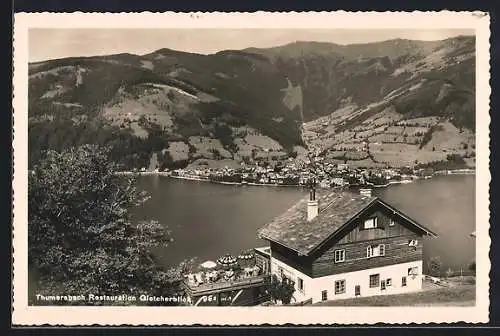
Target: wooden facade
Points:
(396, 249)
(263, 259)
(300, 263)
(393, 231)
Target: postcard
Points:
(251, 168)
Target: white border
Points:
(25, 315)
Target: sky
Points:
(47, 44)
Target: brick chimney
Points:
(312, 205)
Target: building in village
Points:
(346, 245)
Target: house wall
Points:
(384, 230)
(291, 258)
(397, 251)
(292, 273)
(355, 240)
(362, 278)
(313, 287)
(262, 261)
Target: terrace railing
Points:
(223, 284)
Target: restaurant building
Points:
(345, 245)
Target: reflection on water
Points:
(207, 220)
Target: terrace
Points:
(228, 274)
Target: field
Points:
(207, 147)
(385, 138)
(178, 150)
(158, 104)
(214, 164)
(251, 143)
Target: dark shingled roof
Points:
(291, 229)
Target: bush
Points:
(435, 266)
(281, 289)
(472, 267)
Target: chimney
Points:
(365, 192)
(312, 205)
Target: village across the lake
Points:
(299, 173)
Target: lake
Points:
(208, 220)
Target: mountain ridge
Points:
(241, 103)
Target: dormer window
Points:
(370, 223)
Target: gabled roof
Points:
(336, 211)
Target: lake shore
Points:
(206, 179)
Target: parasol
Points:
(246, 258)
(227, 260)
(208, 264)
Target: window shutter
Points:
(382, 223)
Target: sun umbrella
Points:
(227, 260)
(246, 258)
(208, 264)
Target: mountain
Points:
(171, 108)
(330, 74)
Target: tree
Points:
(472, 267)
(281, 290)
(435, 266)
(81, 236)
(171, 95)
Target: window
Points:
(382, 285)
(339, 286)
(339, 256)
(403, 282)
(300, 284)
(388, 282)
(381, 249)
(374, 280)
(370, 223)
(392, 222)
(413, 242)
(375, 251)
(324, 295)
(357, 290)
(413, 272)
(369, 252)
